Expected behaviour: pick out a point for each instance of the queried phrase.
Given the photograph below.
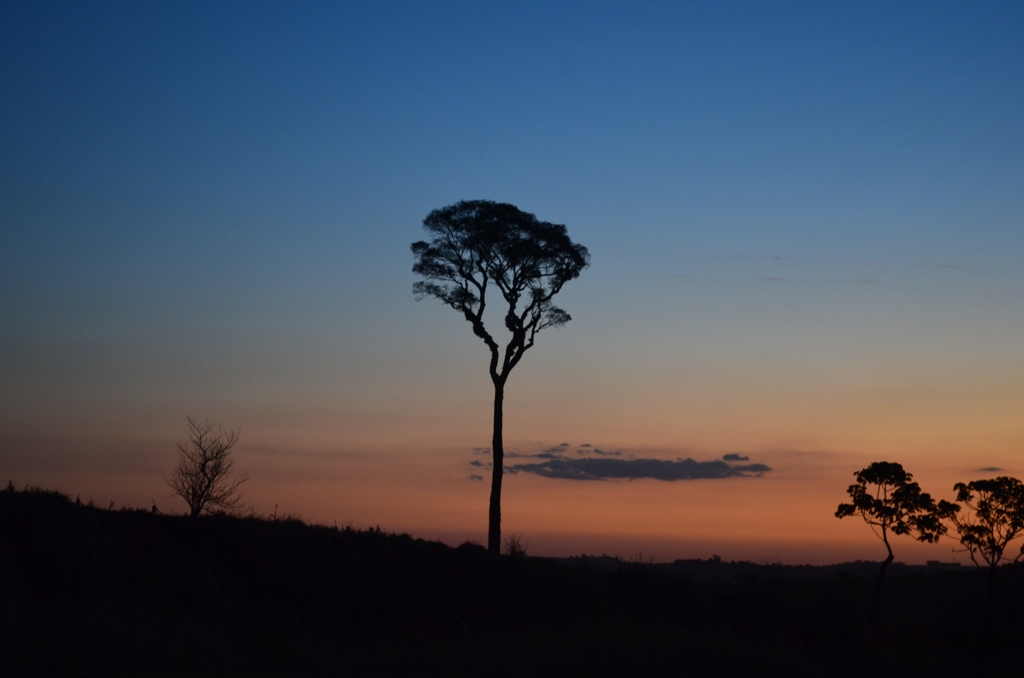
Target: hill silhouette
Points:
(91, 591)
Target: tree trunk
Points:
(990, 618)
(881, 573)
(498, 456)
(885, 563)
(881, 576)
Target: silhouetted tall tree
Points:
(896, 504)
(203, 477)
(476, 244)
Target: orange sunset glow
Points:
(805, 234)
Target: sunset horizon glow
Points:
(805, 224)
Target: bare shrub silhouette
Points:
(515, 547)
(204, 477)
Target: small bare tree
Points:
(204, 474)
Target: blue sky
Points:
(806, 225)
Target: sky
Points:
(805, 222)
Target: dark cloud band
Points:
(635, 469)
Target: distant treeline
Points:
(91, 592)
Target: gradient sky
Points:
(806, 224)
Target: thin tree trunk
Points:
(881, 573)
(881, 576)
(498, 455)
(990, 619)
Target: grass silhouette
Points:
(92, 591)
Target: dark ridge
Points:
(91, 592)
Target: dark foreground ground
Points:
(92, 592)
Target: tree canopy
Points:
(991, 516)
(478, 243)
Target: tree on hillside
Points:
(478, 244)
(204, 477)
(888, 500)
(989, 514)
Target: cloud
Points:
(475, 476)
(633, 469)
(560, 452)
(990, 469)
(841, 281)
(588, 462)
